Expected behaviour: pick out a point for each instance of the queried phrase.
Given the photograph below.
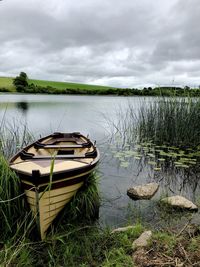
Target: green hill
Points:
(64, 85)
(7, 84)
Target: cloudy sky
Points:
(124, 43)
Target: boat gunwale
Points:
(46, 137)
(27, 176)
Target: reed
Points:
(14, 214)
(172, 121)
(13, 136)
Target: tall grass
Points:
(13, 136)
(173, 121)
(15, 217)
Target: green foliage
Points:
(21, 82)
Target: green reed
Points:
(14, 214)
(174, 121)
(13, 136)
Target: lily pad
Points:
(136, 157)
(124, 164)
(182, 166)
(161, 159)
(157, 169)
(151, 162)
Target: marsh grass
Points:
(173, 121)
(13, 137)
(14, 214)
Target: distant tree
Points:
(187, 87)
(21, 82)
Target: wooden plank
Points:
(27, 157)
(62, 146)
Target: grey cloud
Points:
(109, 42)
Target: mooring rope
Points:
(8, 200)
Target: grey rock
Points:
(180, 202)
(142, 241)
(146, 191)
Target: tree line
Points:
(22, 85)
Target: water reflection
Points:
(22, 106)
(45, 114)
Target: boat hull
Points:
(49, 188)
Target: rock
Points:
(122, 229)
(142, 241)
(146, 191)
(179, 202)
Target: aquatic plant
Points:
(172, 121)
(13, 136)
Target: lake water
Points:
(90, 115)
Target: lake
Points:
(93, 116)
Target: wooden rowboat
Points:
(52, 170)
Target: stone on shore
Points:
(146, 191)
(142, 240)
(122, 229)
(180, 202)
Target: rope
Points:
(8, 200)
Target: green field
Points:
(7, 83)
(64, 85)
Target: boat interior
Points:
(64, 151)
